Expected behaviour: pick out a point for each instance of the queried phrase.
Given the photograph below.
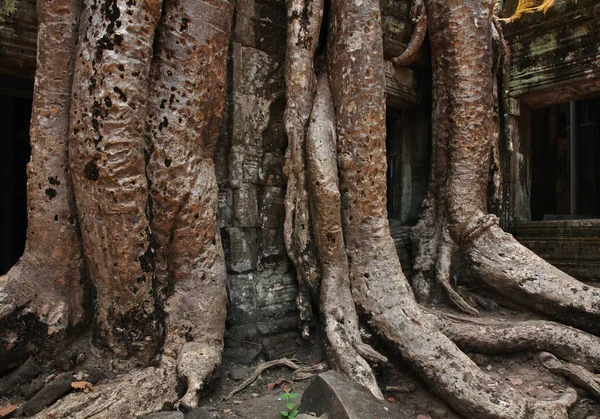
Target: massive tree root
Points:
(186, 102)
(455, 215)
(304, 25)
(147, 119)
(42, 296)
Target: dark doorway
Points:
(15, 113)
(566, 161)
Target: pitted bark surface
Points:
(106, 150)
(186, 98)
(45, 285)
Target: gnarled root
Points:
(304, 24)
(495, 259)
(579, 375)
(495, 336)
(419, 17)
(44, 290)
(346, 352)
(190, 268)
(132, 395)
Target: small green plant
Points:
(291, 412)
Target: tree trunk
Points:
(42, 297)
(106, 150)
(186, 102)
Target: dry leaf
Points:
(7, 409)
(423, 417)
(237, 402)
(515, 381)
(274, 384)
(228, 411)
(286, 389)
(391, 400)
(84, 386)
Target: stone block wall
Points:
(261, 281)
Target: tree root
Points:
(132, 395)
(494, 336)
(300, 373)
(304, 24)
(496, 260)
(346, 351)
(579, 375)
(419, 17)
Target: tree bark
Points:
(106, 149)
(304, 24)
(45, 290)
(186, 102)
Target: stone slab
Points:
(333, 394)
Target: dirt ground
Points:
(263, 400)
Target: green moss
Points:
(7, 9)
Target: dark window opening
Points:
(566, 161)
(15, 113)
(408, 147)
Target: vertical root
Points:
(419, 17)
(184, 194)
(304, 24)
(346, 352)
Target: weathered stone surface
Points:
(261, 25)
(573, 246)
(238, 373)
(555, 55)
(271, 169)
(333, 394)
(281, 345)
(259, 296)
(225, 208)
(245, 206)
(243, 356)
(271, 252)
(242, 249)
(271, 207)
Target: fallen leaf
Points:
(274, 384)
(423, 417)
(227, 411)
(391, 400)
(84, 386)
(7, 409)
(515, 381)
(286, 389)
(237, 402)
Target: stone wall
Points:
(250, 158)
(572, 246)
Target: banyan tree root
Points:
(379, 289)
(186, 100)
(107, 162)
(300, 373)
(494, 336)
(132, 395)
(304, 24)
(346, 351)
(419, 18)
(579, 375)
(44, 290)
